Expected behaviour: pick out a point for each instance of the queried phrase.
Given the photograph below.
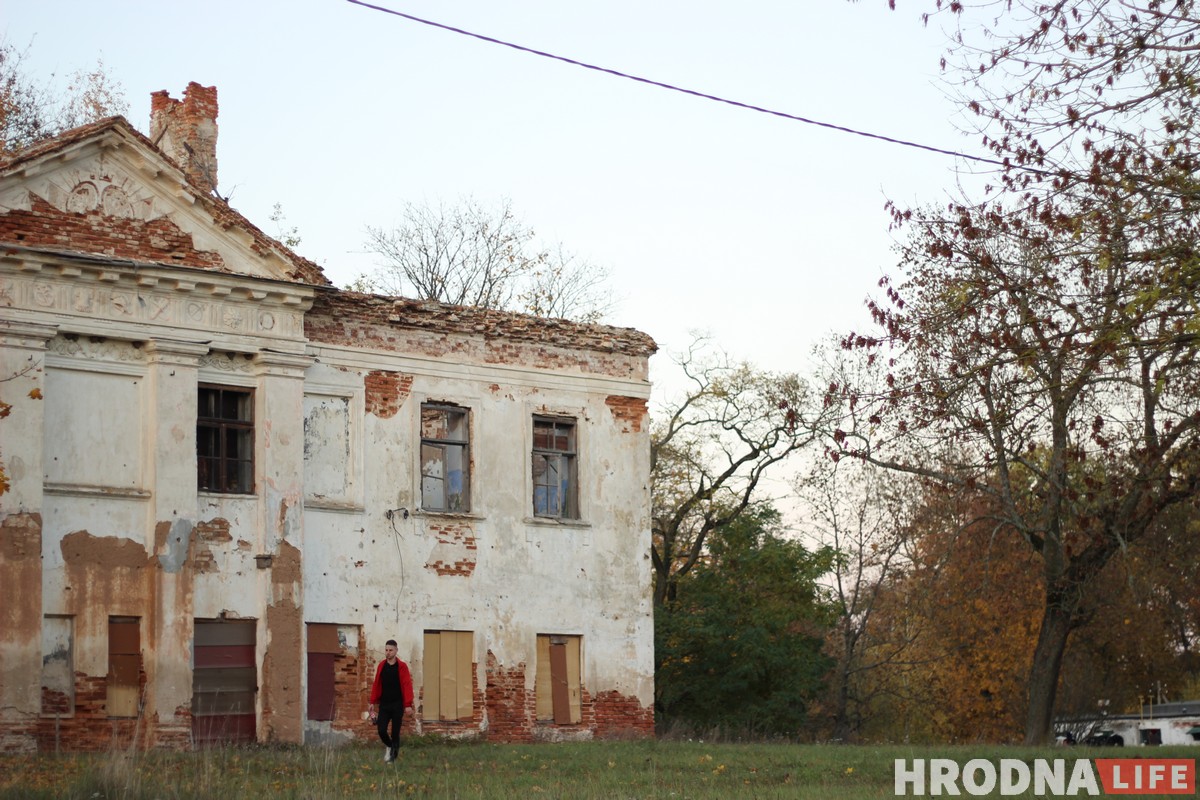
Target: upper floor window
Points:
(225, 440)
(445, 458)
(555, 491)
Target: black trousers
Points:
(393, 714)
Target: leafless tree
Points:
(860, 511)
(711, 449)
(32, 110)
(469, 254)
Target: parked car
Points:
(1104, 739)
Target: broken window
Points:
(225, 440)
(558, 679)
(445, 458)
(448, 670)
(124, 666)
(554, 476)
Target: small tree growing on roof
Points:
(31, 111)
(469, 254)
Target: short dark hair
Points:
(392, 642)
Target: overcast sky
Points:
(765, 232)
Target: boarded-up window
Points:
(78, 428)
(558, 679)
(124, 664)
(224, 682)
(448, 670)
(58, 666)
(323, 650)
(328, 452)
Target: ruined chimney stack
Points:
(186, 130)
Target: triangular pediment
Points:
(105, 189)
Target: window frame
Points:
(213, 468)
(442, 444)
(569, 506)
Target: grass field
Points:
(477, 770)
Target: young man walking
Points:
(391, 695)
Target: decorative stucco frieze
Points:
(128, 292)
(79, 192)
(227, 362)
(95, 349)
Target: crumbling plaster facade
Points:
(141, 607)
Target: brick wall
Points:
(111, 226)
(192, 125)
(619, 717)
(351, 687)
(158, 240)
(510, 708)
(455, 553)
(491, 337)
(629, 412)
(386, 392)
(89, 728)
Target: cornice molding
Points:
(96, 348)
(116, 290)
(25, 335)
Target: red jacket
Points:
(405, 684)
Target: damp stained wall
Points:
(123, 290)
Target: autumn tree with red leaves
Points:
(1042, 343)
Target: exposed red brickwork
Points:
(512, 711)
(493, 337)
(214, 531)
(55, 702)
(176, 734)
(297, 268)
(630, 412)
(191, 124)
(89, 728)
(459, 538)
(18, 737)
(510, 708)
(158, 240)
(386, 392)
(621, 717)
(352, 677)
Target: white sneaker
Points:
(387, 755)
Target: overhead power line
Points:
(680, 89)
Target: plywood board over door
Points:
(224, 682)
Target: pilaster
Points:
(279, 414)
(170, 474)
(22, 426)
